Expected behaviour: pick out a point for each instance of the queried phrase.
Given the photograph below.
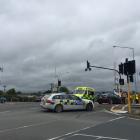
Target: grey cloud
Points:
(37, 36)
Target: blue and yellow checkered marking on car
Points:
(71, 102)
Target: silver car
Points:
(61, 101)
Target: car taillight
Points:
(50, 101)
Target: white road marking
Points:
(26, 126)
(99, 137)
(8, 111)
(88, 127)
(34, 108)
(121, 111)
(116, 119)
(134, 119)
(111, 112)
(66, 134)
(112, 108)
(14, 111)
(125, 106)
(5, 111)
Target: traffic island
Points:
(123, 109)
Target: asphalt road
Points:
(27, 121)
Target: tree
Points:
(1, 92)
(19, 93)
(64, 89)
(11, 93)
(47, 91)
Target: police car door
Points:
(68, 102)
(78, 103)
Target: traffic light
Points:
(131, 78)
(121, 81)
(131, 67)
(121, 68)
(126, 68)
(59, 83)
(88, 66)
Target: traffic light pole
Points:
(133, 55)
(129, 89)
(107, 69)
(99, 67)
(110, 70)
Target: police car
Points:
(61, 101)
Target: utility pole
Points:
(1, 69)
(4, 88)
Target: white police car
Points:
(61, 101)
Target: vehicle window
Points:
(67, 97)
(55, 97)
(79, 91)
(58, 97)
(91, 92)
(62, 96)
(75, 97)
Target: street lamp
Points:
(133, 53)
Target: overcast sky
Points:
(37, 36)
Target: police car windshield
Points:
(79, 91)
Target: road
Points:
(27, 121)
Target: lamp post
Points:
(133, 55)
(133, 51)
(1, 69)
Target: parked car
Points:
(38, 99)
(110, 98)
(2, 99)
(61, 101)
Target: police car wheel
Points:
(58, 109)
(89, 107)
